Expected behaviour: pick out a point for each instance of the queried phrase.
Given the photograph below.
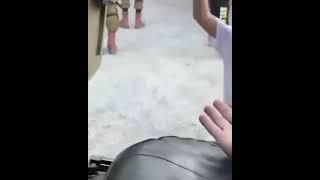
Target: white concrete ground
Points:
(157, 84)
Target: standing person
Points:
(217, 118)
(112, 23)
(222, 39)
(124, 23)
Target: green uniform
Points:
(112, 20)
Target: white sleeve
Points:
(223, 41)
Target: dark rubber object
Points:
(171, 158)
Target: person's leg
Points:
(112, 23)
(124, 23)
(139, 6)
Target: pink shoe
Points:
(139, 22)
(112, 47)
(124, 22)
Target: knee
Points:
(125, 4)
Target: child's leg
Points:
(124, 23)
(112, 23)
(139, 6)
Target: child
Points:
(222, 34)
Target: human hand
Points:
(218, 122)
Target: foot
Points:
(124, 22)
(139, 23)
(218, 122)
(112, 50)
(112, 47)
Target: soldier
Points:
(124, 23)
(112, 23)
(112, 20)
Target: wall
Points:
(94, 60)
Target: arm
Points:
(201, 13)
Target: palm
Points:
(218, 122)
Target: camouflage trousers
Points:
(112, 19)
(137, 5)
